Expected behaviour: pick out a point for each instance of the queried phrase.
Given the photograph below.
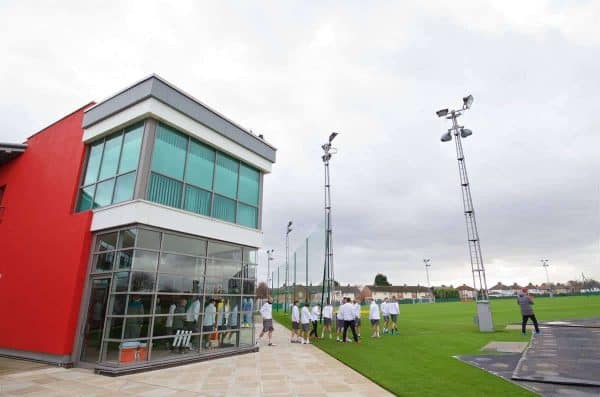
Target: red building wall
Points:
(44, 245)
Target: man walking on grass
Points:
(394, 310)
(386, 315)
(314, 317)
(356, 307)
(524, 300)
(295, 337)
(349, 315)
(374, 317)
(327, 319)
(339, 323)
(266, 311)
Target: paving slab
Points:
(270, 372)
(505, 347)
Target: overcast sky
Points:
(375, 73)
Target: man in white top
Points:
(374, 317)
(314, 317)
(266, 311)
(339, 323)
(356, 307)
(295, 337)
(394, 310)
(386, 315)
(208, 323)
(305, 319)
(327, 316)
(349, 315)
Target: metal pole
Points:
(287, 264)
(545, 265)
(427, 266)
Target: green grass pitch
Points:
(419, 361)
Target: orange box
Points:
(127, 354)
(142, 352)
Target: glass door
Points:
(94, 325)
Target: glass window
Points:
(110, 159)
(165, 190)
(145, 260)
(250, 255)
(168, 156)
(247, 215)
(136, 327)
(148, 239)
(139, 304)
(106, 242)
(223, 270)
(224, 252)
(127, 238)
(124, 187)
(182, 284)
(223, 208)
(104, 261)
(125, 259)
(200, 165)
(142, 281)
(184, 245)
(131, 148)
(120, 282)
(197, 200)
(226, 176)
(86, 197)
(117, 305)
(172, 304)
(181, 264)
(114, 327)
(93, 164)
(104, 192)
(249, 185)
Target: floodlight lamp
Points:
(442, 112)
(467, 102)
(332, 136)
(465, 132)
(446, 137)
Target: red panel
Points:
(44, 244)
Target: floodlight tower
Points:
(269, 259)
(484, 314)
(328, 274)
(287, 264)
(545, 265)
(427, 262)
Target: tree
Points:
(262, 291)
(381, 280)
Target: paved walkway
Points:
(283, 370)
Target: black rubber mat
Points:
(566, 352)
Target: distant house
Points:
(465, 292)
(379, 293)
(516, 288)
(351, 291)
(561, 289)
(534, 289)
(500, 290)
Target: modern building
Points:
(129, 232)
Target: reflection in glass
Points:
(86, 198)
(104, 261)
(106, 242)
(114, 326)
(110, 160)
(117, 304)
(181, 264)
(91, 173)
(124, 188)
(136, 327)
(125, 259)
(145, 260)
(249, 185)
(110, 352)
(250, 255)
(222, 251)
(184, 245)
(142, 281)
(226, 176)
(168, 156)
(223, 270)
(148, 239)
(131, 148)
(121, 281)
(139, 304)
(104, 192)
(175, 283)
(127, 238)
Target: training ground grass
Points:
(419, 361)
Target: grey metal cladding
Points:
(160, 90)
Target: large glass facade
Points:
(110, 172)
(169, 296)
(187, 174)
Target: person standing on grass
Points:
(356, 307)
(327, 317)
(394, 310)
(305, 319)
(295, 337)
(524, 300)
(314, 316)
(349, 315)
(385, 311)
(266, 311)
(374, 317)
(339, 323)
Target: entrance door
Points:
(94, 325)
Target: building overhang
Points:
(9, 151)
(156, 88)
(157, 215)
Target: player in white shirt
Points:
(266, 311)
(295, 337)
(374, 317)
(394, 310)
(339, 323)
(386, 315)
(314, 318)
(305, 319)
(327, 318)
(349, 316)
(356, 307)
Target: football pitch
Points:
(419, 361)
